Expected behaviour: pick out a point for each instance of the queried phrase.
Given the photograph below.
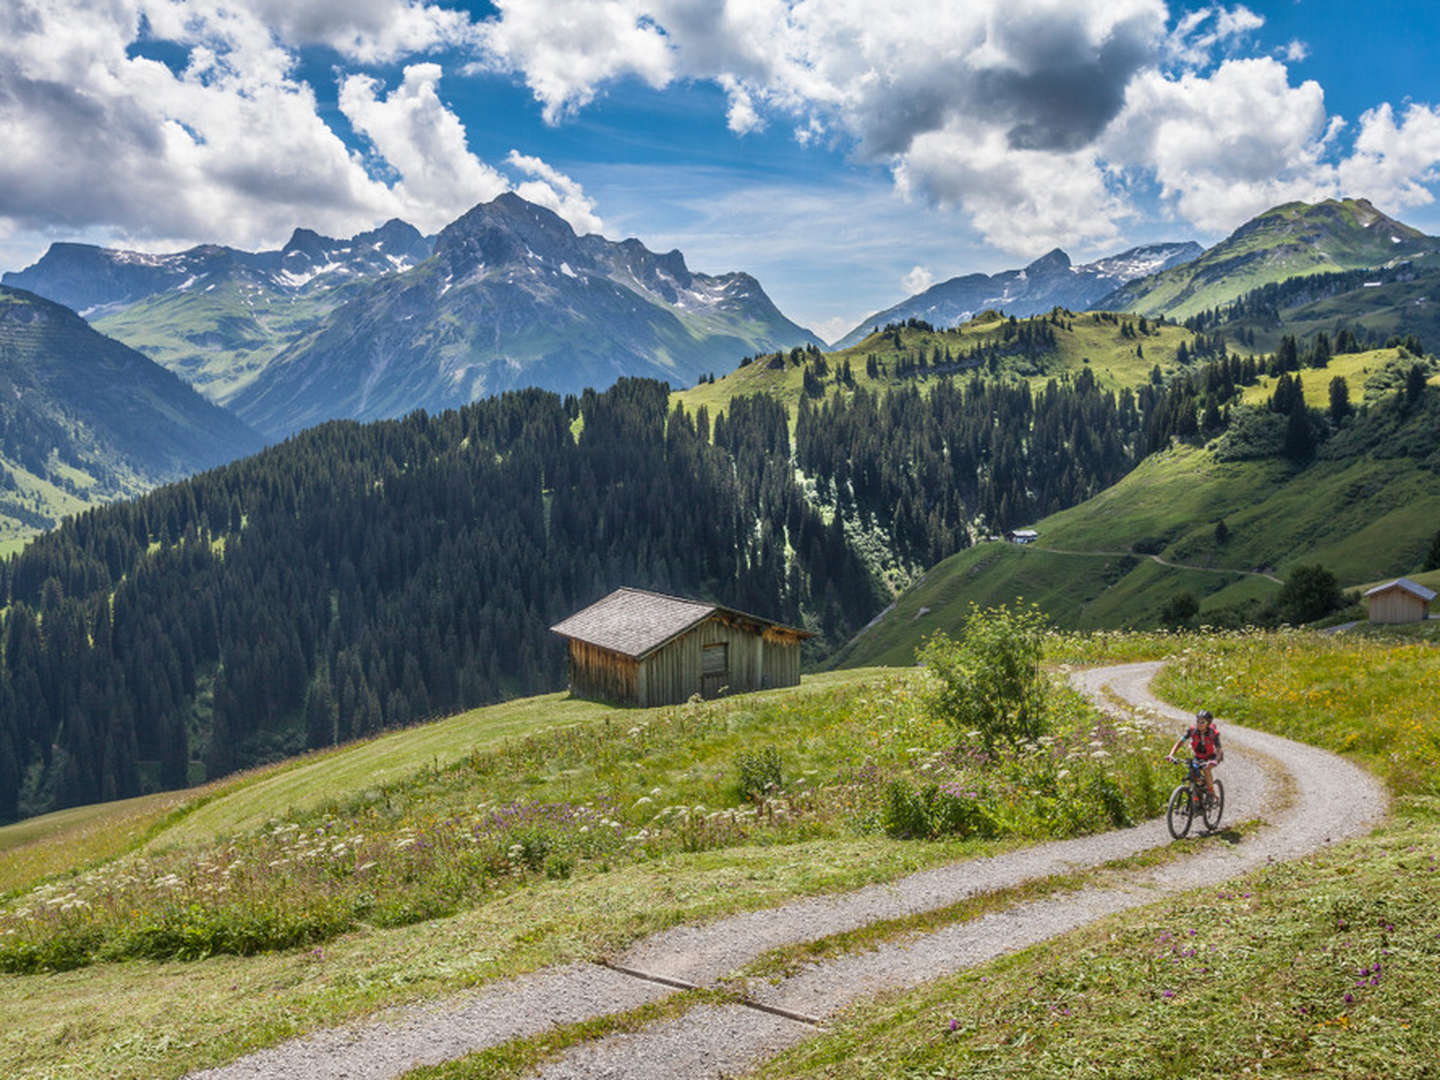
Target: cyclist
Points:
(1204, 739)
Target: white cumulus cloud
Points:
(1036, 119)
(233, 147)
(553, 189)
(1226, 146)
(917, 280)
(415, 134)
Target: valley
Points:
(982, 425)
(317, 687)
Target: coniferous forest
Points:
(358, 577)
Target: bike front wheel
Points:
(1215, 807)
(1180, 813)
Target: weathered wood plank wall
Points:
(602, 675)
(1397, 606)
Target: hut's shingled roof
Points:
(634, 622)
(1412, 587)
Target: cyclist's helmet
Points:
(1204, 714)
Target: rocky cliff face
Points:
(512, 297)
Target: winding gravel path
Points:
(1307, 797)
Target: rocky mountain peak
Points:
(507, 229)
(1053, 262)
(307, 242)
(397, 237)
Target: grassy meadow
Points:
(560, 842)
(1355, 368)
(1376, 699)
(218, 339)
(1328, 966)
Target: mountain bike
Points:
(1190, 799)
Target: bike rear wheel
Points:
(1213, 808)
(1181, 812)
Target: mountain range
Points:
(215, 315)
(1294, 240)
(389, 321)
(1050, 281)
(513, 297)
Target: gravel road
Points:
(1307, 797)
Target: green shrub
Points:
(933, 810)
(758, 772)
(989, 681)
(904, 814)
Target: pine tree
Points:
(1339, 400)
(1299, 444)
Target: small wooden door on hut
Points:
(714, 669)
(641, 648)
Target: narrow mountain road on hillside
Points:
(1162, 562)
(1307, 798)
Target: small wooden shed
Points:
(643, 648)
(1399, 601)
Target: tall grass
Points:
(586, 799)
(1376, 699)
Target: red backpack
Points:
(1205, 745)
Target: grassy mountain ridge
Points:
(1375, 306)
(1293, 240)
(1062, 344)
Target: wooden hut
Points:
(1399, 601)
(643, 648)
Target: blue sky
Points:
(844, 160)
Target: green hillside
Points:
(1367, 375)
(1038, 348)
(1376, 311)
(504, 840)
(1293, 240)
(1365, 518)
(84, 420)
(221, 338)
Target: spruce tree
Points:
(1339, 400)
